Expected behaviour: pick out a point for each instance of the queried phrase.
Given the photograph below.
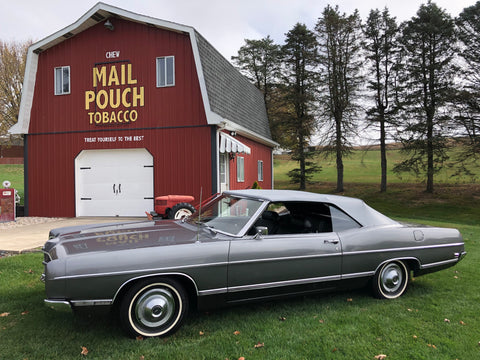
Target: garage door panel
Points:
(114, 182)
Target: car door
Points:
(277, 264)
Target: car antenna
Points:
(199, 215)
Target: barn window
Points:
(240, 169)
(165, 71)
(62, 80)
(260, 170)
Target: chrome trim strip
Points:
(212, 292)
(151, 272)
(91, 302)
(283, 283)
(358, 275)
(440, 263)
(285, 258)
(58, 305)
(402, 249)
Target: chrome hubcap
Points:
(155, 307)
(391, 278)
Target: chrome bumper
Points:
(58, 305)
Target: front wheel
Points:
(153, 308)
(391, 280)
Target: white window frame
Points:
(59, 83)
(163, 71)
(260, 170)
(240, 169)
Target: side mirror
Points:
(261, 231)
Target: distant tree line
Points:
(417, 82)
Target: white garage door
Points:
(114, 182)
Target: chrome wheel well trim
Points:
(137, 278)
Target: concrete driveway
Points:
(25, 235)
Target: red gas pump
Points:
(7, 203)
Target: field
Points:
(437, 318)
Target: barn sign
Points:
(118, 98)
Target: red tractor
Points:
(173, 206)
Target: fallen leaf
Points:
(25, 313)
(5, 314)
(241, 358)
(321, 321)
(201, 333)
(446, 320)
(259, 345)
(84, 351)
(415, 336)
(409, 310)
(462, 323)
(455, 277)
(334, 349)
(142, 357)
(381, 357)
(282, 318)
(349, 300)
(236, 332)
(139, 338)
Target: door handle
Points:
(331, 241)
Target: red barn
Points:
(118, 108)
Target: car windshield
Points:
(227, 214)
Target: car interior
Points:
(294, 218)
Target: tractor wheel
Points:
(180, 210)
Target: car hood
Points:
(123, 236)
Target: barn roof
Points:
(229, 99)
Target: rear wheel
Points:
(154, 308)
(391, 280)
(181, 210)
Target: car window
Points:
(341, 221)
(294, 218)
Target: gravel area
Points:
(23, 221)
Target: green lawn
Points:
(437, 318)
(14, 174)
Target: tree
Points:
(259, 61)
(380, 32)
(12, 67)
(428, 44)
(467, 99)
(339, 38)
(299, 55)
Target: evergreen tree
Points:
(259, 61)
(467, 99)
(339, 38)
(381, 31)
(428, 45)
(299, 55)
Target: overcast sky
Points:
(224, 23)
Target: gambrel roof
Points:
(229, 99)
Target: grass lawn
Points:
(437, 318)
(14, 174)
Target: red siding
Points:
(171, 123)
(177, 155)
(139, 45)
(258, 152)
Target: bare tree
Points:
(12, 67)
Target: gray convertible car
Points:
(242, 246)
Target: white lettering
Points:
(112, 54)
